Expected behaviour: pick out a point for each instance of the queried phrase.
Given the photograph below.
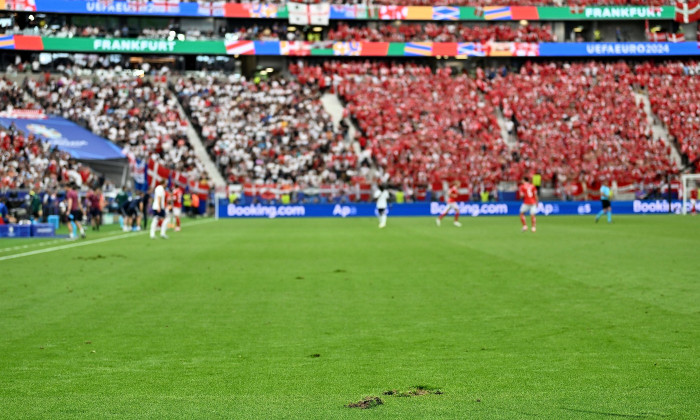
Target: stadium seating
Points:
(674, 93)
(277, 131)
(580, 121)
(442, 33)
(138, 114)
(421, 127)
(26, 162)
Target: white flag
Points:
(298, 13)
(319, 14)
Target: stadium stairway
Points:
(658, 130)
(214, 175)
(510, 140)
(332, 105)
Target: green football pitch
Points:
(299, 318)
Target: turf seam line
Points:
(77, 244)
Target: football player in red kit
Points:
(452, 196)
(528, 192)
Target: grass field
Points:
(297, 318)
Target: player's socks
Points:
(599, 215)
(522, 220)
(163, 228)
(177, 222)
(533, 221)
(154, 224)
(609, 216)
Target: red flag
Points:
(688, 11)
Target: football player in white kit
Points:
(159, 211)
(382, 197)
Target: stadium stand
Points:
(138, 114)
(420, 127)
(438, 32)
(674, 94)
(26, 162)
(276, 131)
(258, 32)
(580, 121)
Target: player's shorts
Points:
(381, 211)
(77, 215)
(177, 211)
(605, 203)
(528, 208)
(158, 213)
(95, 212)
(124, 209)
(452, 206)
(132, 211)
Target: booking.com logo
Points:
(471, 209)
(258, 210)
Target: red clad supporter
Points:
(674, 94)
(442, 32)
(580, 122)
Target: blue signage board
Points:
(511, 208)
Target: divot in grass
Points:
(366, 403)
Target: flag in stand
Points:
(22, 5)
(298, 13)
(577, 9)
(471, 49)
(347, 48)
(688, 11)
(240, 48)
(393, 12)
(7, 42)
(526, 49)
(166, 6)
(263, 10)
(295, 48)
(319, 14)
(497, 13)
(676, 37)
(445, 13)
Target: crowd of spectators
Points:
(258, 32)
(442, 32)
(674, 94)
(581, 122)
(26, 162)
(420, 126)
(138, 114)
(275, 131)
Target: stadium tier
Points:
(674, 93)
(272, 132)
(580, 121)
(140, 116)
(413, 32)
(28, 162)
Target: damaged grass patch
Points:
(366, 403)
(416, 391)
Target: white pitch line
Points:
(83, 243)
(32, 245)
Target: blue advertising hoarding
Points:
(68, 137)
(511, 208)
(617, 49)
